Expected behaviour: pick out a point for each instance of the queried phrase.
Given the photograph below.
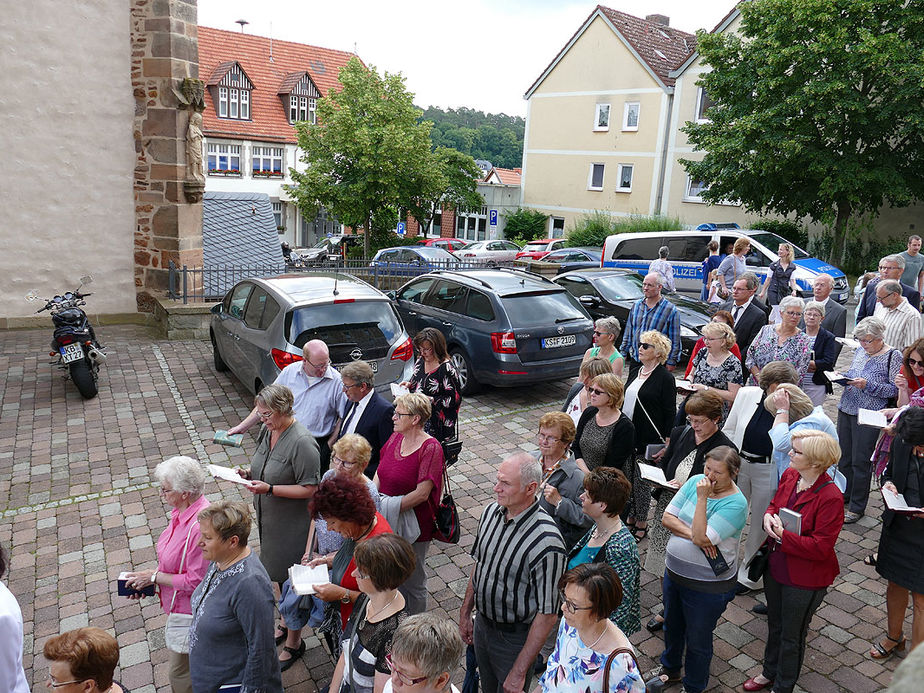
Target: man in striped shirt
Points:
(653, 312)
(519, 558)
(902, 320)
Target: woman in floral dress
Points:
(435, 377)
(782, 342)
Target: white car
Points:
(488, 252)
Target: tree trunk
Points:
(367, 238)
(839, 244)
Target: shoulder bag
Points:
(446, 516)
(176, 632)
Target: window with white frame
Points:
(224, 158)
(630, 116)
(703, 104)
(595, 177)
(602, 117)
(302, 108)
(277, 214)
(695, 189)
(624, 178)
(312, 111)
(267, 160)
(234, 103)
(556, 227)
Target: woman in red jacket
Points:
(802, 562)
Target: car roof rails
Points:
(460, 272)
(711, 226)
(517, 270)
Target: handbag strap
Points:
(182, 562)
(638, 401)
(609, 661)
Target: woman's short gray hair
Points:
(278, 398)
(609, 324)
(183, 473)
(417, 404)
(870, 327)
(430, 643)
(791, 301)
(815, 305)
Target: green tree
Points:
(366, 155)
(525, 225)
(817, 110)
(450, 181)
(496, 137)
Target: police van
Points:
(688, 249)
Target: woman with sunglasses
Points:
(578, 396)
(383, 563)
(606, 332)
(590, 648)
(605, 436)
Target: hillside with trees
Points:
(496, 137)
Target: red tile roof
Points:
(649, 39)
(507, 176)
(269, 120)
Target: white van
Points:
(688, 249)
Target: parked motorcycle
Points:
(74, 341)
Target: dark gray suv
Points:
(262, 324)
(503, 327)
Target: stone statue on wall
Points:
(194, 148)
(191, 96)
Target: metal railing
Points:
(212, 282)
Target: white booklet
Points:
(227, 474)
(686, 385)
(848, 342)
(871, 417)
(836, 377)
(654, 474)
(896, 502)
(303, 577)
(397, 390)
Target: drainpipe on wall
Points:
(664, 150)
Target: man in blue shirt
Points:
(653, 312)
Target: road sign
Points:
(402, 228)
(492, 217)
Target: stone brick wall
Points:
(164, 51)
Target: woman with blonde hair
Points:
(716, 368)
(780, 281)
(605, 436)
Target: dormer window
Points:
(231, 90)
(299, 97)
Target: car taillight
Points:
(284, 358)
(468, 254)
(405, 352)
(503, 342)
(66, 339)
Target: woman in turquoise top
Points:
(606, 491)
(606, 332)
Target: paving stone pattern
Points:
(78, 504)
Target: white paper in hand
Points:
(227, 474)
(304, 578)
(897, 503)
(398, 390)
(871, 417)
(847, 342)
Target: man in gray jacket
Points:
(835, 320)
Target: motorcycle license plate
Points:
(71, 352)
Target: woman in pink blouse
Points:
(180, 564)
(411, 466)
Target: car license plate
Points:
(841, 297)
(553, 342)
(71, 352)
(375, 366)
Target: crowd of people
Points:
(758, 482)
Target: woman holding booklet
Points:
(715, 368)
(802, 524)
(901, 547)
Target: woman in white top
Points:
(12, 676)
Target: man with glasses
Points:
(519, 558)
(890, 267)
(748, 313)
(651, 312)
(902, 320)
(319, 398)
(368, 413)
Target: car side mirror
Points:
(217, 308)
(392, 295)
(752, 261)
(589, 301)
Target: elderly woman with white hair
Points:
(781, 342)
(606, 332)
(870, 385)
(180, 563)
(824, 354)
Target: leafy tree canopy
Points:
(818, 109)
(496, 137)
(450, 181)
(368, 154)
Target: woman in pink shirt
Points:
(180, 564)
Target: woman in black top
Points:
(605, 436)
(780, 281)
(651, 403)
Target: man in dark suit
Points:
(368, 414)
(890, 267)
(835, 320)
(749, 313)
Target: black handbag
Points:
(451, 450)
(757, 566)
(446, 516)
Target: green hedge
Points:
(592, 229)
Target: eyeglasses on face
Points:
(570, 605)
(793, 313)
(342, 462)
(57, 684)
(869, 341)
(645, 345)
(403, 678)
(266, 414)
(320, 367)
(400, 414)
(914, 362)
(548, 439)
(347, 388)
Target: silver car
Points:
(262, 324)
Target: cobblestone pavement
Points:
(78, 505)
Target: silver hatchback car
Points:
(261, 325)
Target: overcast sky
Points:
(479, 53)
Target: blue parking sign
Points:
(402, 228)
(492, 217)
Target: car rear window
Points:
(542, 308)
(372, 326)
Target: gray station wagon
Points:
(262, 324)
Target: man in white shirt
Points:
(902, 320)
(368, 413)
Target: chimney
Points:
(661, 19)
